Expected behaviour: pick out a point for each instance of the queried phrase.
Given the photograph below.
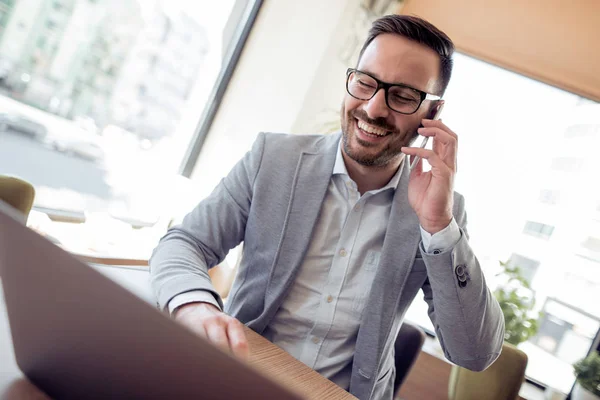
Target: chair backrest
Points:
(501, 381)
(406, 350)
(17, 193)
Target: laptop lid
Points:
(77, 334)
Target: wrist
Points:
(194, 306)
(434, 226)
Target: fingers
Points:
(437, 123)
(227, 333)
(444, 143)
(441, 135)
(434, 159)
(418, 167)
(216, 332)
(237, 339)
(220, 329)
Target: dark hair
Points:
(420, 31)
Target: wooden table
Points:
(278, 365)
(266, 357)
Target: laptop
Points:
(77, 334)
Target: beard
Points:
(365, 153)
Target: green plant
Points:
(517, 302)
(587, 373)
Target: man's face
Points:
(392, 59)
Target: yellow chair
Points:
(501, 381)
(17, 193)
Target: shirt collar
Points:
(339, 168)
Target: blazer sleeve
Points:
(181, 261)
(467, 317)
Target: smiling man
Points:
(339, 234)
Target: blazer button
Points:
(462, 278)
(437, 251)
(460, 270)
(462, 284)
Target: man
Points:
(339, 234)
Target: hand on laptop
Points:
(219, 328)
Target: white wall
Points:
(321, 106)
(269, 86)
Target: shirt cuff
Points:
(441, 241)
(194, 296)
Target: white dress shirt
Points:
(318, 321)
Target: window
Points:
(527, 266)
(549, 197)
(590, 248)
(112, 134)
(565, 334)
(591, 244)
(566, 164)
(582, 130)
(50, 24)
(538, 229)
(504, 175)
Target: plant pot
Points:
(579, 393)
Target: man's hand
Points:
(431, 193)
(217, 327)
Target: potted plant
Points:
(517, 301)
(587, 374)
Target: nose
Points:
(377, 107)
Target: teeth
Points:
(370, 129)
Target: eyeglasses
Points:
(400, 98)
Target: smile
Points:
(371, 130)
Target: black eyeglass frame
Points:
(386, 86)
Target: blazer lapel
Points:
(311, 180)
(399, 249)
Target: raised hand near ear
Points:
(431, 193)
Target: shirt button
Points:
(315, 340)
(343, 253)
(357, 207)
(329, 298)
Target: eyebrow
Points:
(391, 83)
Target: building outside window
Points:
(550, 197)
(116, 90)
(567, 164)
(527, 266)
(538, 229)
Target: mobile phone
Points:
(435, 114)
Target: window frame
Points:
(213, 103)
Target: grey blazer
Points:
(271, 201)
